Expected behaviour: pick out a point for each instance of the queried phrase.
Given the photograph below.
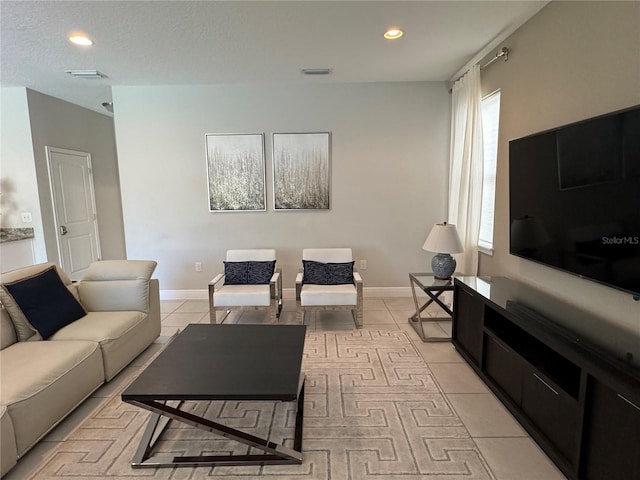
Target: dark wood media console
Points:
(580, 403)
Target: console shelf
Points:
(579, 402)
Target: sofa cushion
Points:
(7, 330)
(121, 336)
(8, 451)
(116, 285)
(44, 301)
(248, 273)
(319, 273)
(43, 381)
(242, 296)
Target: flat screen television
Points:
(574, 198)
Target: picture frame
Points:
(236, 172)
(301, 171)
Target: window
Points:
(490, 123)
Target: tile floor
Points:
(509, 451)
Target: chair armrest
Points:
(359, 293)
(154, 302)
(299, 277)
(212, 288)
(275, 284)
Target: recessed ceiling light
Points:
(81, 40)
(393, 33)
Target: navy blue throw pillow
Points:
(318, 273)
(46, 302)
(248, 273)
(235, 273)
(260, 272)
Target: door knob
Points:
(63, 230)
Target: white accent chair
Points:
(312, 297)
(246, 297)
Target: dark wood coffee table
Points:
(221, 362)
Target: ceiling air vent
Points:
(91, 74)
(316, 71)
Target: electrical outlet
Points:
(363, 264)
(198, 266)
(26, 217)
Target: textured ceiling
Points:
(209, 42)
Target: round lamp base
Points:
(443, 265)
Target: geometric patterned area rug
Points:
(372, 411)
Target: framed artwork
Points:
(301, 171)
(236, 172)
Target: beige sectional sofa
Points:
(42, 381)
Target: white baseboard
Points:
(287, 293)
(386, 291)
(184, 294)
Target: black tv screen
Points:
(574, 198)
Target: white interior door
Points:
(74, 209)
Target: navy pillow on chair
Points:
(235, 273)
(318, 273)
(248, 273)
(45, 302)
(260, 273)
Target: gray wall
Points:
(572, 61)
(18, 179)
(389, 174)
(57, 123)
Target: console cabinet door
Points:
(553, 411)
(467, 324)
(611, 445)
(504, 367)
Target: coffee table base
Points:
(163, 412)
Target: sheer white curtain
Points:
(465, 169)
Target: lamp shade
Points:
(443, 238)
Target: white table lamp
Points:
(443, 240)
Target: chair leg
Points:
(273, 312)
(219, 316)
(212, 309)
(357, 317)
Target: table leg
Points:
(162, 412)
(417, 321)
